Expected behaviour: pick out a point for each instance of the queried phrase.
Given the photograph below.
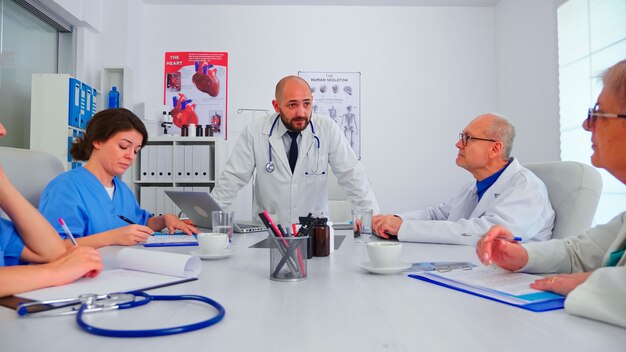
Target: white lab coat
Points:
(518, 200)
(601, 296)
(284, 195)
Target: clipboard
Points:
(166, 240)
(539, 302)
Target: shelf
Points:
(121, 77)
(180, 139)
(173, 157)
(157, 183)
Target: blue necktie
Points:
(293, 150)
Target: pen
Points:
(282, 230)
(126, 219)
(514, 239)
(68, 232)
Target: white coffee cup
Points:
(212, 242)
(384, 254)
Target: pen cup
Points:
(288, 258)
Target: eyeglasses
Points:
(464, 137)
(593, 114)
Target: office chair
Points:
(574, 191)
(30, 171)
(339, 207)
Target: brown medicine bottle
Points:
(321, 238)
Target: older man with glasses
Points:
(503, 193)
(591, 266)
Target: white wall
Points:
(527, 76)
(419, 70)
(426, 72)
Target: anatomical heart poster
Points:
(196, 92)
(338, 95)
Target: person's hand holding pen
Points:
(76, 262)
(500, 247)
(131, 234)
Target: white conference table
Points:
(339, 307)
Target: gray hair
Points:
(501, 129)
(614, 80)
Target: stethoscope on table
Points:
(270, 167)
(89, 303)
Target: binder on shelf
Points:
(152, 163)
(179, 162)
(144, 161)
(211, 161)
(201, 189)
(74, 102)
(168, 170)
(188, 173)
(83, 105)
(88, 104)
(202, 162)
(160, 162)
(94, 103)
(196, 156)
(70, 140)
(497, 285)
(147, 199)
(164, 203)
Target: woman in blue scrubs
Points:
(90, 199)
(30, 238)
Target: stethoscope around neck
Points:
(270, 167)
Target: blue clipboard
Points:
(171, 244)
(540, 306)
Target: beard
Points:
(295, 124)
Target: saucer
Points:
(400, 266)
(225, 253)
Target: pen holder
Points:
(288, 258)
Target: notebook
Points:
(198, 207)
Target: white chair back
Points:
(30, 171)
(339, 207)
(574, 190)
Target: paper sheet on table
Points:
(495, 283)
(139, 269)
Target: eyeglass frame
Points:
(464, 137)
(592, 112)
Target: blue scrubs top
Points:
(11, 244)
(81, 200)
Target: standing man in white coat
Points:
(504, 193)
(591, 265)
(291, 151)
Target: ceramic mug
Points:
(212, 242)
(384, 254)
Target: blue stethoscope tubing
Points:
(147, 298)
(270, 167)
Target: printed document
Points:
(494, 282)
(138, 269)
